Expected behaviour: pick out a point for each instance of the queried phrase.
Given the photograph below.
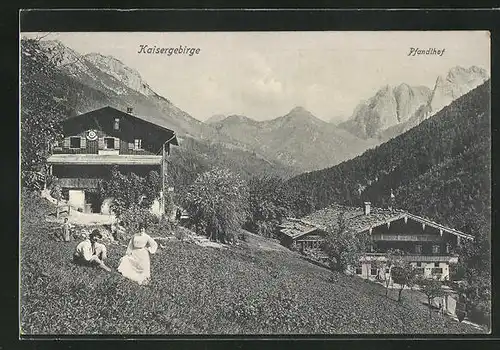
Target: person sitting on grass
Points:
(91, 252)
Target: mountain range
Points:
(394, 110)
(287, 145)
(298, 139)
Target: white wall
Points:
(77, 199)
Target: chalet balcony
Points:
(104, 159)
(416, 258)
(406, 238)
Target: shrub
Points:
(130, 190)
(135, 215)
(243, 236)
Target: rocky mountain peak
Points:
(456, 83)
(300, 114)
(117, 69)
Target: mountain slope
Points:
(389, 107)
(298, 139)
(457, 82)
(393, 111)
(124, 88)
(85, 83)
(215, 118)
(440, 168)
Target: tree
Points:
(432, 289)
(476, 286)
(268, 204)
(217, 203)
(392, 258)
(41, 110)
(344, 247)
(404, 275)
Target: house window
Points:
(447, 247)
(137, 144)
(117, 124)
(373, 271)
(437, 270)
(419, 264)
(358, 271)
(109, 142)
(436, 264)
(435, 249)
(418, 249)
(75, 142)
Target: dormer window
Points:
(137, 144)
(117, 124)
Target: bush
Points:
(130, 190)
(135, 215)
(243, 236)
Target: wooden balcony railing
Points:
(408, 238)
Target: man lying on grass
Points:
(90, 252)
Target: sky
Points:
(263, 75)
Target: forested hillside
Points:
(439, 169)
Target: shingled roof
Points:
(355, 219)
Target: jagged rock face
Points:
(389, 107)
(114, 67)
(457, 82)
(409, 100)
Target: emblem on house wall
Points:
(91, 135)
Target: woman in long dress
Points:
(135, 265)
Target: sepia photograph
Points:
(255, 183)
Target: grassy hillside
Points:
(440, 169)
(196, 290)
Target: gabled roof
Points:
(295, 228)
(355, 219)
(148, 119)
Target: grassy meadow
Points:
(243, 289)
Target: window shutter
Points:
(101, 142)
(117, 143)
(83, 142)
(66, 142)
(131, 145)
